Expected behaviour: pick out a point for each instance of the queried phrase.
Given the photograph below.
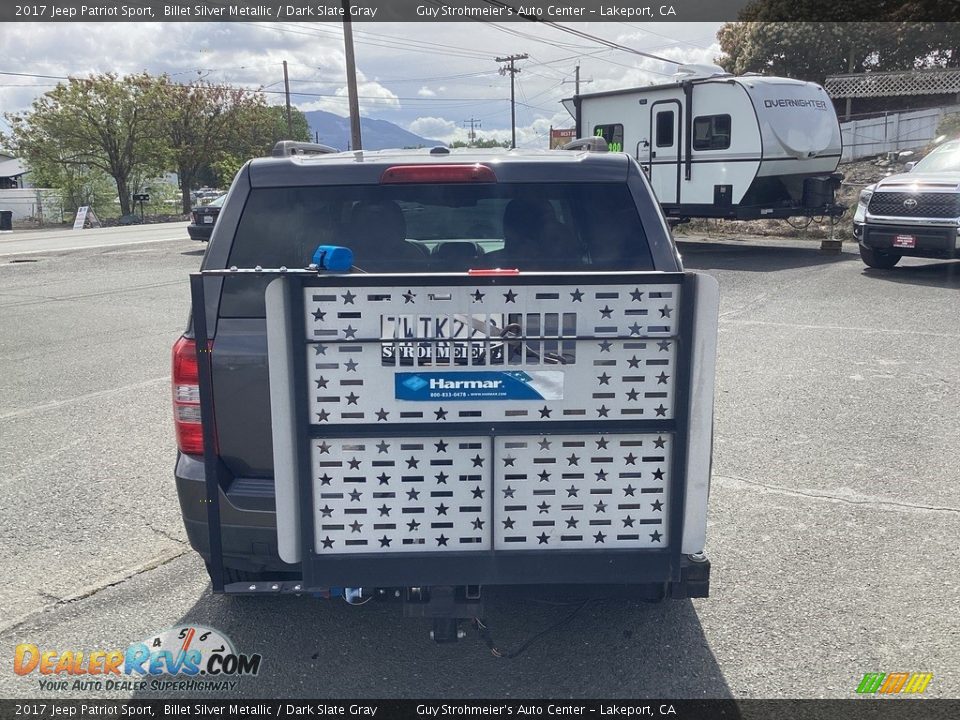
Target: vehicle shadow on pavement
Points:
(197, 253)
(934, 274)
(755, 258)
(328, 649)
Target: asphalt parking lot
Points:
(834, 519)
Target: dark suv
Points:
(581, 223)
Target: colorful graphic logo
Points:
(488, 385)
(191, 651)
(894, 683)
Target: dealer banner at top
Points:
(570, 11)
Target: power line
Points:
(513, 70)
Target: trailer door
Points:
(663, 167)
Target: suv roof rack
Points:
(292, 147)
(591, 144)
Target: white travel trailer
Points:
(715, 145)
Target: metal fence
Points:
(891, 132)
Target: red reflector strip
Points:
(437, 174)
(494, 271)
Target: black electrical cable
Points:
(483, 633)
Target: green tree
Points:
(105, 122)
(480, 142)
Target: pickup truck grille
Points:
(904, 204)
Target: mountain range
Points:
(334, 130)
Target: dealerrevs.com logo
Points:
(188, 658)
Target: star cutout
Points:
(634, 362)
(323, 416)
(318, 314)
(382, 414)
(320, 349)
(324, 448)
(440, 413)
(572, 522)
(544, 476)
(383, 478)
(631, 459)
(408, 296)
(477, 460)
(628, 521)
(351, 365)
(355, 496)
(510, 296)
(542, 537)
(325, 479)
(327, 542)
(633, 394)
(661, 411)
(384, 510)
(441, 446)
(545, 412)
(352, 398)
(602, 444)
(543, 508)
(577, 295)
(630, 490)
(572, 491)
(442, 509)
(663, 344)
(634, 329)
(477, 492)
(606, 311)
(657, 505)
(508, 524)
(599, 537)
(478, 296)
(442, 540)
(658, 474)
(659, 442)
(442, 478)
(355, 526)
(655, 536)
(353, 463)
(384, 541)
(602, 475)
(412, 463)
(573, 459)
(413, 494)
(477, 524)
(603, 411)
(509, 461)
(413, 525)
(348, 298)
(604, 379)
(636, 294)
(508, 492)
(544, 444)
(665, 311)
(601, 506)
(605, 345)
(662, 378)
(350, 332)
(383, 446)
(322, 383)
(326, 511)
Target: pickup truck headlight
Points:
(865, 196)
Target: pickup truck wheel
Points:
(877, 259)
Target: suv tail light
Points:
(186, 397)
(193, 218)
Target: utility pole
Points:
(473, 123)
(355, 142)
(576, 81)
(286, 88)
(513, 70)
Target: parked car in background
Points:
(916, 213)
(203, 218)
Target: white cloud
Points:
(426, 92)
(436, 128)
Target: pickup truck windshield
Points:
(423, 228)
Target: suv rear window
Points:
(424, 228)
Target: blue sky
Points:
(426, 77)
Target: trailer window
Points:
(711, 132)
(613, 134)
(665, 129)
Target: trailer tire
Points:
(876, 259)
